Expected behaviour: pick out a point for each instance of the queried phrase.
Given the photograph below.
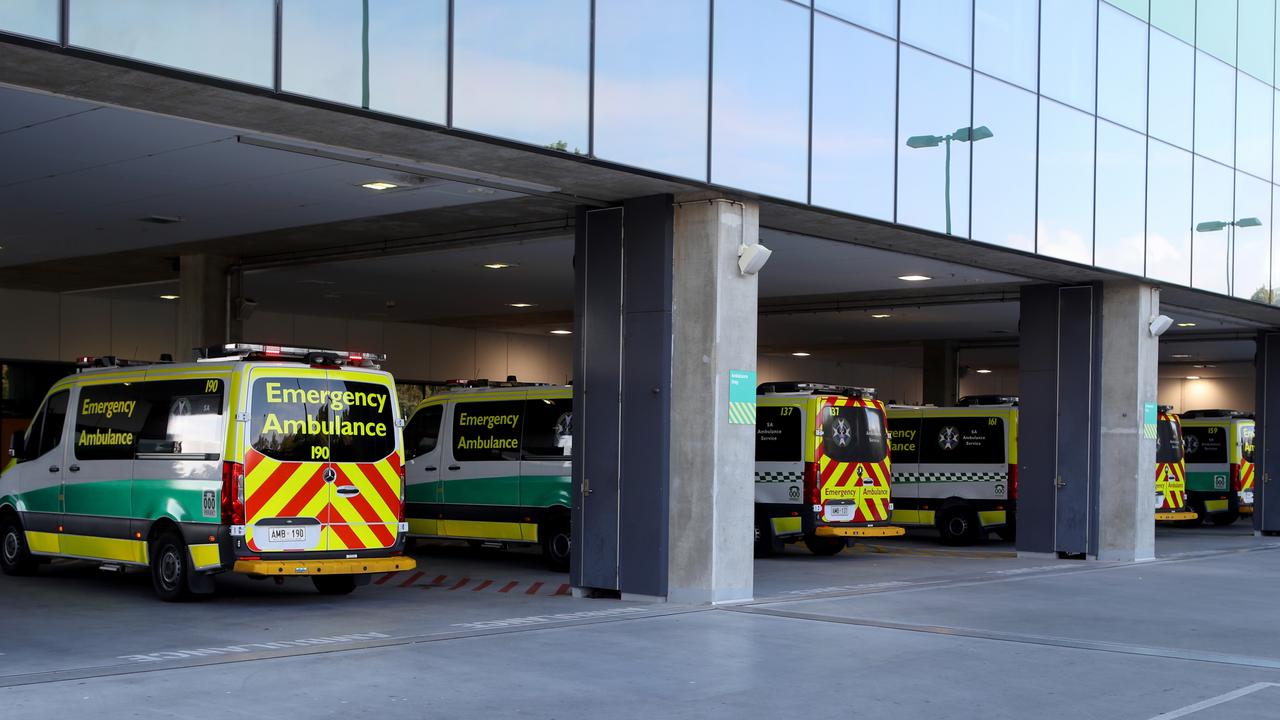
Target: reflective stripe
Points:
(913, 517)
(424, 527)
(130, 551)
(1216, 505)
(42, 542)
(992, 517)
(479, 530)
(786, 525)
(205, 556)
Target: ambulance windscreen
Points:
(854, 434)
(1169, 447)
(317, 419)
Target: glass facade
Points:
(1102, 132)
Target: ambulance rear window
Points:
(316, 419)
(962, 440)
(1246, 442)
(1205, 444)
(1169, 445)
(779, 434)
(854, 434)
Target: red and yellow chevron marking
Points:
(1246, 475)
(865, 483)
(361, 521)
(1171, 483)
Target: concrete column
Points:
(202, 303)
(941, 376)
(1126, 492)
(712, 462)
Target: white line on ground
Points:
(1220, 699)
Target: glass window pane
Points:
(520, 70)
(1137, 8)
(933, 103)
(1005, 39)
(1168, 213)
(1176, 17)
(1122, 68)
(1275, 135)
(1172, 89)
(1215, 108)
(1253, 126)
(940, 26)
(1065, 224)
(1210, 262)
(760, 100)
(1216, 28)
(35, 18)
(1274, 296)
(1257, 27)
(1068, 35)
(1004, 165)
(322, 54)
(651, 84)
(853, 119)
(881, 15)
(1120, 223)
(1251, 251)
(233, 39)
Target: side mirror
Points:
(16, 445)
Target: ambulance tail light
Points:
(1013, 481)
(1235, 477)
(403, 499)
(812, 485)
(233, 494)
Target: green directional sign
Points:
(742, 397)
(1149, 419)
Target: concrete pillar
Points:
(202, 303)
(941, 376)
(712, 461)
(1126, 490)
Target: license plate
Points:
(1246, 497)
(287, 534)
(839, 512)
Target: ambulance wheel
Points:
(334, 584)
(1007, 533)
(15, 556)
(958, 525)
(169, 567)
(1224, 518)
(557, 542)
(767, 545)
(825, 546)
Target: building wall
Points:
(1231, 386)
(895, 373)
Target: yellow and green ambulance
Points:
(258, 459)
(1220, 469)
(491, 464)
(1171, 471)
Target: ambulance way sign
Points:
(742, 397)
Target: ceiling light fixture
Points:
(379, 185)
(500, 265)
(170, 297)
(1186, 324)
(1193, 377)
(800, 354)
(561, 332)
(881, 316)
(520, 305)
(983, 371)
(1179, 356)
(914, 278)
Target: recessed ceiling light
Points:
(983, 371)
(499, 265)
(881, 316)
(161, 219)
(561, 332)
(1193, 377)
(520, 305)
(1186, 324)
(1198, 367)
(1179, 356)
(914, 278)
(379, 185)
(169, 297)
(800, 354)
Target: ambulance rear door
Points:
(853, 460)
(904, 439)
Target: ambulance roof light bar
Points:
(1216, 413)
(314, 356)
(1164, 408)
(483, 383)
(90, 362)
(778, 388)
(991, 399)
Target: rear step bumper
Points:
(1162, 516)
(325, 567)
(883, 531)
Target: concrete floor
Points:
(894, 629)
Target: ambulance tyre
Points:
(825, 546)
(958, 525)
(557, 541)
(15, 557)
(767, 545)
(1008, 533)
(169, 567)
(334, 584)
(1224, 518)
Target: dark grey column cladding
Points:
(1059, 419)
(1266, 447)
(622, 384)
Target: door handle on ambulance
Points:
(455, 467)
(429, 469)
(54, 468)
(74, 468)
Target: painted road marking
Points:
(533, 589)
(505, 588)
(482, 586)
(412, 579)
(539, 619)
(386, 577)
(1211, 702)
(443, 582)
(461, 582)
(250, 647)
